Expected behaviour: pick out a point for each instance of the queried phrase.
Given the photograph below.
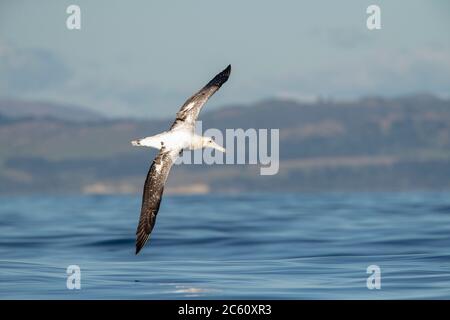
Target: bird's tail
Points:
(136, 143)
(152, 142)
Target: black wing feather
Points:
(191, 108)
(152, 195)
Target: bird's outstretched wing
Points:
(152, 195)
(188, 113)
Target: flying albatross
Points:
(171, 144)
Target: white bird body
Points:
(177, 139)
(174, 139)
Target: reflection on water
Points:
(245, 246)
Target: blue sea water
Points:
(249, 246)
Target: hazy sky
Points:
(144, 58)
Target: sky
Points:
(144, 58)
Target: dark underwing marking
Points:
(188, 113)
(152, 195)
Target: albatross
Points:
(181, 136)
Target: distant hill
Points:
(19, 109)
(371, 144)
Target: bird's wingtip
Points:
(220, 78)
(139, 247)
(141, 240)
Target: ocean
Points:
(246, 246)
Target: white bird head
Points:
(208, 142)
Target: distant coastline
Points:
(370, 144)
